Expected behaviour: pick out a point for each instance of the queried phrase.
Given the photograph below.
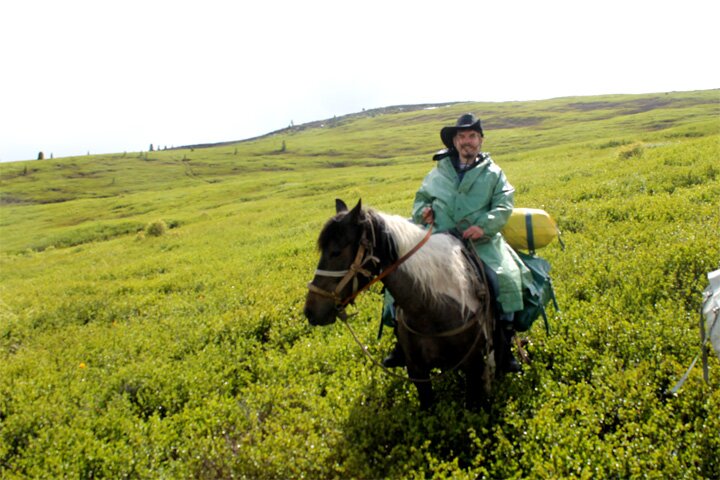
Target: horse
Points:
(444, 313)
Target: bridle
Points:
(363, 256)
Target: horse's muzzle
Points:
(319, 313)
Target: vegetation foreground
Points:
(151, 304)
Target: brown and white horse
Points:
(445, 320)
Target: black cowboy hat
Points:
(465, 122)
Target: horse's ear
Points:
(340, 206)
(356, 211)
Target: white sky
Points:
(111, 76)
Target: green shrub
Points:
(635, 151)
(156, 228)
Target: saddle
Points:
(535, 296)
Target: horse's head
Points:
(340, 271)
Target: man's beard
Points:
(468, 153)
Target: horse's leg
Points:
(421, 379)
(478, 385)
(488, 373)
(480, 372)
(415, 362)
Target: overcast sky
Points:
(112, 76)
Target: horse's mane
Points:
(439, 269)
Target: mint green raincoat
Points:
(484, 198)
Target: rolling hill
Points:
(151, 303)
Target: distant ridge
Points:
(635, 105)
(331, 122)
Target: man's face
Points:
(467, 143)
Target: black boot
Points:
(507, 363)
(396, 357)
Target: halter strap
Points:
(358, 267)
(331, 273)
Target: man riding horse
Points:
(467, 194)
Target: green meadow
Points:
(151, 303)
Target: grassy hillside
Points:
(151, 304)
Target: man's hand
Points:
(428, 216)
(473, 233)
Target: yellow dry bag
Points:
(530, 228)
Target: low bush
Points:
(156, 228)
